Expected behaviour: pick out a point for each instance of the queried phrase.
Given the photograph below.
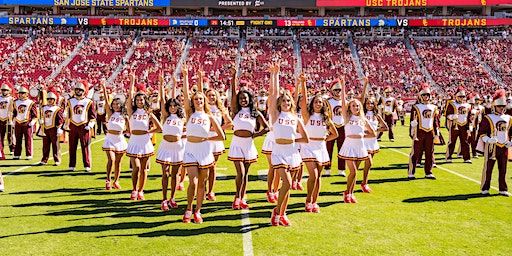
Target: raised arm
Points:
(200, 84)
(164, 112)
(365, 89)
(128, 103)
(344, 106)
(304, 101)
(173, 88)
(107, 99)
(274, 94)
(233, 91)
(186, 96)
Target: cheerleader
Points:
(353, 150)
(372, 145)
(139, 147)
(115, 144)
(285, 155)
(221, 116)
(242, 150)
(321, 129)
(172, 147)
(198, 156)
(266, 149)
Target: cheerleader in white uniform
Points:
(371, 143)
(140, 147)
(198, 156)
(171, 149)
(285, 155)
(242, 150)
(268, 144)
(353, 150)
(320, 128)
(115, 144)
(221, 116)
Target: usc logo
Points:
(501, 126)
(22, 109)
(48, 114)
(198, 121)
(462, 110)
(173, 122)
(140, 117)
(337, 111)
(426, 113)
(78, 110)
(244, 116)
(316, 122)
(3, 105)
(286, 121)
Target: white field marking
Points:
(247, 235)
(262, 174)
(221, 168)
(33, 164)
(446, 169)
(221, 176)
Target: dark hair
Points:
(250, 104)
(180, 112)
(374, 104)
(324, 111)
(146, 101)
(121, 105)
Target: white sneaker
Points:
(485, 192)
(41, 163)
(467, 161)
(504, 193)
(327, 172)
(411, 176)
(342, 173)
(72, 168)
(16, 157)
(88, 169)
(430, 176)
(434, 166)
(28, 158)
(57, 163)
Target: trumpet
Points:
(492, 148)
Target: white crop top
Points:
(173, 125)
(316, 127)
(355, 126)
(198, 125)
(244, 121)
(139, 120)
(217, 116)
(116, 122)
(285, 126)
(372, 119)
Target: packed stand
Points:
(9, 45)
(498, 55)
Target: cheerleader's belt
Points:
(284, 141)
(171, 138)
(196, 139)
(139, 132)
(114, 132)
(243, 133)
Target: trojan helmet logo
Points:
(501, 126)
(103, 22)
(22, 109)
(427, 113)
(425, 22)
(337, 111)
(78, 109)
(388, 103)
(3, 105)
(462, 110)
(48, 114)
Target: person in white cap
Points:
(335, 106)
(25, 116)
(457, 113)
(6, 108)
(53, 120)
(495, 133)
(81, 115)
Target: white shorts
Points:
(353, 149)
(198, 154)
(217, 147)
(315, 151)
(116, 143)
(286, 156)
(140, 146)
(170, 153)
(268, 143)
(372, 145)
(243, 149)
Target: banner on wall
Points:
(138, 22)
(39, 21)
(407, 3)
(458, 22)
(98, 3)
(347, 22)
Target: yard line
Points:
(262, 174)
(445, 169)
(32, 165)
(246, 234)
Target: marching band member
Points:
(457, 113)
(198, 156)
(115, 144)
(353, 150)
(101, 105)
(25, 117)
(140, 147)
(53, 119)
(321, 129)
(285, 155)
(6, 110)
(425, 123)
(335, 106)
(388, 106)
(221, 116)
(81, 119)
(172, 148)
(242, 150)
(495, 133)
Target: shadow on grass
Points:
(460, 197)
(372, 181)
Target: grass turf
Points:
(48, 210)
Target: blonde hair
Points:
(192, 109)
(217, 102)
(293, 106)
(348, 113)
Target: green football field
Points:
(52, 211)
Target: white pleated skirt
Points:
(170, 153)
(140, 146)
(286, 156)
(198, 154)
(242, 149)
(115, 143)
(353, 149)
(315, 151)
(372, 145)
(268, 143)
